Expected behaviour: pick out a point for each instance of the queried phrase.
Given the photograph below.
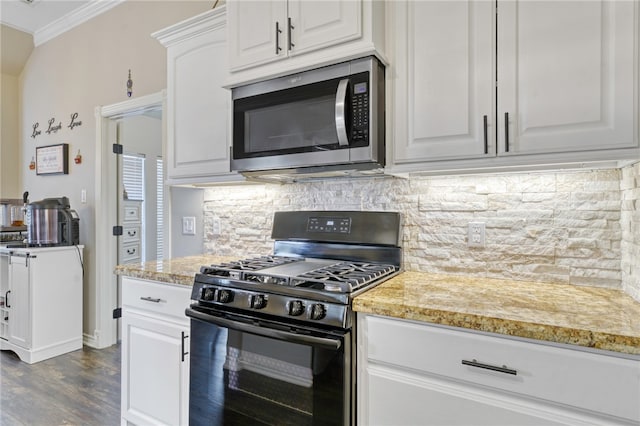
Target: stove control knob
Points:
(296, 308)
(318, 311)
(208, 293)
(224, 296)
(257, 301)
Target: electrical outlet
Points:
(475, 234)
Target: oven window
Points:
(238, 378)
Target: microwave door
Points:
(341, 112)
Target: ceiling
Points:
(31, 17)
(29, 23)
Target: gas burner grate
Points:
(345, 276)
(235, 268)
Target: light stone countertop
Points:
(181, 270)
(593, 317)
(586, 316)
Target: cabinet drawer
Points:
(131, 213)
(130, 233)
(596, 382)
(130, 252)
(165, 299)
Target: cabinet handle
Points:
(278, 32)
(290, 27)
(131, 233)
(503, 369)
(6, 299)
(506, 132)
(183, 352)
(486, 139)
(131, 251)
(151, 299)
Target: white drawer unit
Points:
(131, 240)
(132, 211)
(163, 299)
(496, 377)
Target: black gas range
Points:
(277, 332)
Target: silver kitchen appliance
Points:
(52, 222)
(326, 122)
(273, 338)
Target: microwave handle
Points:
(341, 124)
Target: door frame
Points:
(106, 210)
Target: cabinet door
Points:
(257, 32)
(155, 373)
(444, 80)
(198, 107)
(566, 76)
(318, 24)
(19, 307)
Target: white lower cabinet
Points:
(41, 303)
(411, 373)
(155, 359)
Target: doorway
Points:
(108, 206)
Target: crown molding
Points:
(73, 19)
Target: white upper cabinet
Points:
(269, 38)
(480, 84)
(198, 107)
(566, 76)
(257, 32)
(445, 72)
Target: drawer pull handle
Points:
(131, 233)
(151, 299)
(503, 369)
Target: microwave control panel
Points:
(360, 108)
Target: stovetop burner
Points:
(319, 274)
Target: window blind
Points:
(159, 209)
(133, 176)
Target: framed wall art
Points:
(52, 159)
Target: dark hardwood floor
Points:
(78, 388)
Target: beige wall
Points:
(11, 164)
(77, 71)
(560, 227)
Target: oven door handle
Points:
(266, 332)
(341, 108)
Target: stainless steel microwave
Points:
(324, 122)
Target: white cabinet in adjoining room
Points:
(198, 113)
(42, 301)
(484, 84)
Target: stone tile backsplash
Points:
(576, 227)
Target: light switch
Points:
(83, 196)
(188, 225)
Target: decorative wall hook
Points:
(35, 131)
(129, 85)
(78, 158)
(53, 128)
(73, 122)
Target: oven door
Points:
(245, 371)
